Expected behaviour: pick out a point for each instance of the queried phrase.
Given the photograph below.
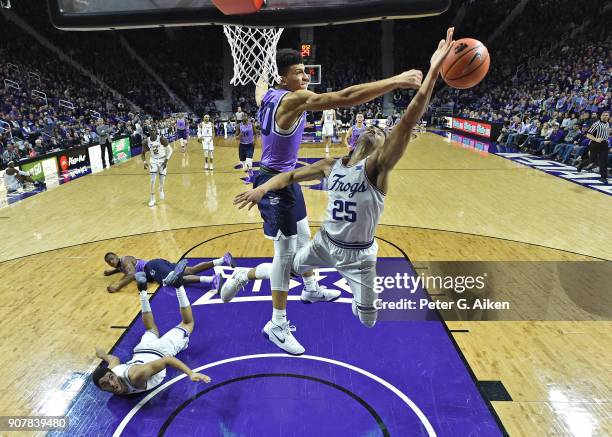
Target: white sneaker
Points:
(282, 337)
(206, 166)
(152, 202)
(327, 150)
(321, 295)
(211, 167)
(237, 282)
(162, 196)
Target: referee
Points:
(598, 147)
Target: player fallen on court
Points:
(163, 271)
(152, 355)
(282, 118)
(15, 179)
(161, 152)
(357, 185)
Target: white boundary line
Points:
(204, 300)
(402, 396)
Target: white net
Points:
(254, 53)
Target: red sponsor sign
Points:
(63, 162)
(472, 127)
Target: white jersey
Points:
(328, 116)
(10, 181)
(159, 152)
(205, 130)
(354, 207)
(138, 359)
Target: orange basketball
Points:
(467, 64)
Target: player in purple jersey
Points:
(356, 201)
(355, 132)
(245, 133)
(157, 270)
(182, 132)
(282, 119)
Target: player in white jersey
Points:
(329, 122)
(206, 134)
(147, 368)
(161, 152)
(357, 187)
(14, 179)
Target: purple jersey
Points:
(180, 123)
(247, 135)
(279, 147)
(357, 131)
(140, 263)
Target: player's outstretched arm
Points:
(316, 171)
(111, 360)
(304, 100)
(398, 140)
(141, 373)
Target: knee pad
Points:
(284, 251)
(367, 314)
(303, 232)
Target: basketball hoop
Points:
(254, 53)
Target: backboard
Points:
(125, 14)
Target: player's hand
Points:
(108, 272)
(146, 166)
(410, 79)
(100, 353)
(444, 48)
(112, 289)
(199, 377)
(164, 164)
(250, 198)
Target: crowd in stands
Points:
(543, 72)
(552, 82)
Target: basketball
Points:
(467, 64)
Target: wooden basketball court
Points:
(445, 204)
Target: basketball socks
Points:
(144, 302)
(279, 316)
(217, 262)
(182, 297)
(310, 283)
(206, 279)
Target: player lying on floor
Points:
(356, 188)
(160, 270)
(147, 368)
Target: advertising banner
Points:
(35, 168)
(73, 164)
(95, 159)
(477, 128)
(121, 150)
